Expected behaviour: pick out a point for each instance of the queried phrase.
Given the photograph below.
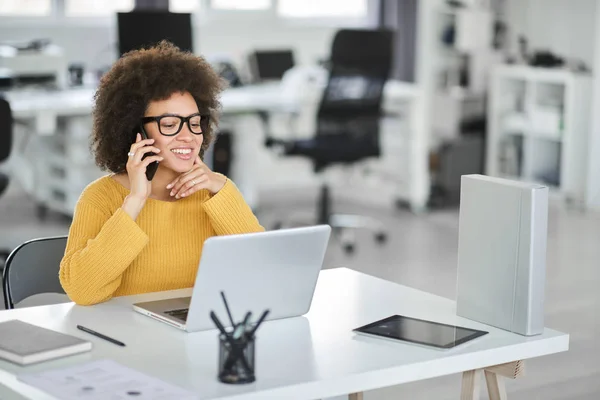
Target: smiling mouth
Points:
(182, 154)
(182, 151)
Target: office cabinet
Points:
(538, 128)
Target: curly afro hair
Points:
(138, 78)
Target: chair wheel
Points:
(349, 248)
(277, 226)
(381, 237)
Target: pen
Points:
(227, 308)
(260, 320)
(83, 328)
(218, 323)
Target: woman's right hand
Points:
(139, 186)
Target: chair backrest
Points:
(350, 108)
(32, 268)
(6, 129)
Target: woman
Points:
(130, 235)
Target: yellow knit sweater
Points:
(109, 254)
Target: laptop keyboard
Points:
(181, 313)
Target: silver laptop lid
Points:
(277, 270)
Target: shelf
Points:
(516, 123)
(550, 136)
(521, 124)
(539, 125)
(471, 28)
(536, 74)
(556, 137)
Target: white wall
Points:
(89, 44)
(237, 36)
(566, 27)
(94, 42)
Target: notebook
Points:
(25, 344)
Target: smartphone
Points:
(152, 167)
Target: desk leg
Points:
(470, 385)
(355, 396)
(494, 378)
(495, 386)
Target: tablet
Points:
(429, 333)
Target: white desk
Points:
(45, 113)
(308, 357)
(79, 101)
(32, 103)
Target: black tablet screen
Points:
(420, 331)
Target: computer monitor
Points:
(270, 64)
(145, 28)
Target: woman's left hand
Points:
(198, 178)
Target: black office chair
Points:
(32, 268)
(348, 117)
(6, 137)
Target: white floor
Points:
(421, 253)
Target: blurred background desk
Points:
(52, 161)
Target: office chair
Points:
(32, 268)
(6, 136)
(348, 118)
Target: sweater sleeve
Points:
(229, 213)
(99, 249)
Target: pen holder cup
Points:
(236, 360)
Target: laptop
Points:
(275, 270)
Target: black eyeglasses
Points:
(170, 125)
